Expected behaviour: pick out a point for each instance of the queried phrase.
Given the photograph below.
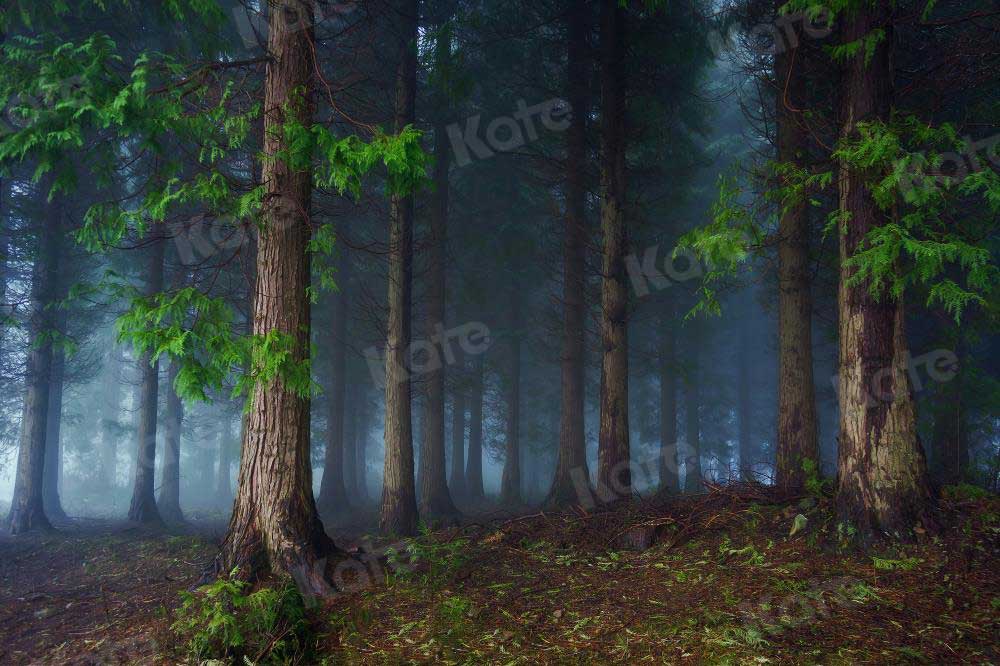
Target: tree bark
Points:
(797, 439)
(669, 464)
(169, 502)
(510, 484)
(275, 526)
(53, 431)
(361, 434)
(332, 493)
(474, 466)
(398, 513)
(614, 478)
(882, 480)
(27, 507)
(571, 459)
(143, 508)
(692, 421)
(351, 449)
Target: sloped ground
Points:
(724, 583)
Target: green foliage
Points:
(920, 244)
(905, 564)
(223, 621)
(435, 559)
(964, 492)
(815, 484)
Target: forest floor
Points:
(710, 579)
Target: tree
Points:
(474, 466)
(692, 405)
(613, 473)
(456, 479)
(797, 439)
(572, 454)
(332, 494)
(169, 501)
(53, 430)
(143, 507)
(669, 464)
(398, 514)
(510, 482)
(275, 525)
(27, 510)
(882, 474)
(435, 498)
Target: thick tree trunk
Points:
(275, 525)
(332, 492)
(571, 459)
(110, 413)
(798, 438)
(398, 513)
(474, 466)
(53, 433)
(692, 421)
(510, 484)
(458, 406)
(882, 480)
(950, 448)
(27, 507)
(669, 464)
(169, 502)
(351, 449)
(143, 508)
(614, 477)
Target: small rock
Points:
(557, 613)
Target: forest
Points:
(499, 332)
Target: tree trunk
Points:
(744, 407)
(882, 480)
(53, 431)
(435, 498)
(361, 435)
(143, 507)
(169, 502)
(571, 459)
(351, 449)
(458, 406)
(510, 485)
(692, 422)
(110, 413)
(474, 466)
(223, 481)
(614, 477)
(669, 464)
(27, 510)
(332, 493)
(797, 438)
(398, 513)
(275, 525)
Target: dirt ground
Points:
(722, 583)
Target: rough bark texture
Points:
(474, 466)
(169, 502)
(614, 478)
(332, 492)
(510, 482)
(882, 482)
(53, 432)
(669, 465)
(692, 421)
(27, 511)
(143, 507)
(797, 438)
(361, 433)
(435, 498)
(275, 525)
(351, 422)
(571, 461)
(398, 513)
